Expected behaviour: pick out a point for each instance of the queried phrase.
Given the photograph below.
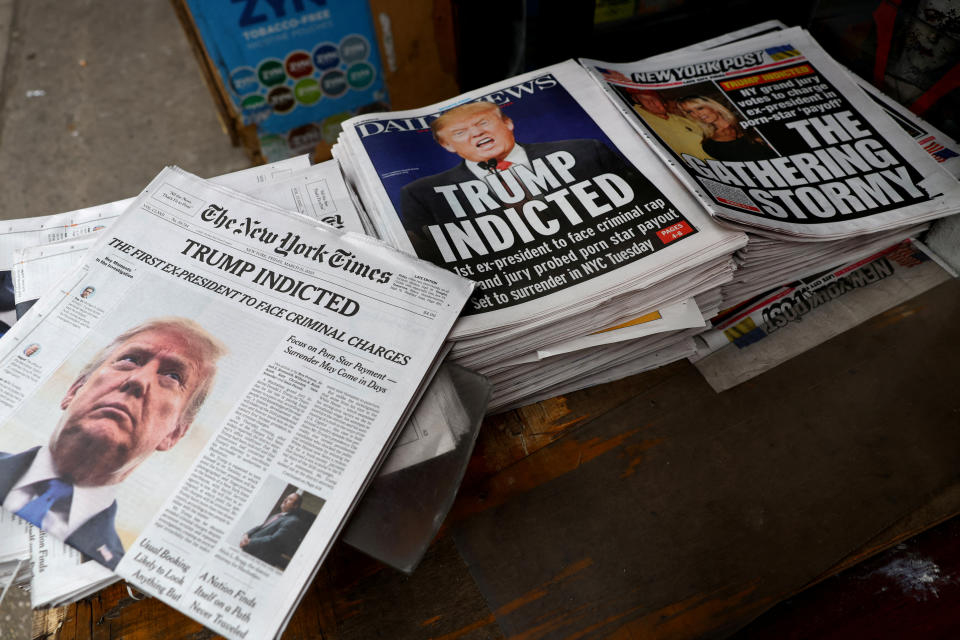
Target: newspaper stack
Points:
(213, 360)
(15, 610)
(755, 336)
(800, 260)
(37, 252)
(43, 249)
(776, 138)
(59, 573)
(537, 190)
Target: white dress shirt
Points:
(516, 156)
(86, 502)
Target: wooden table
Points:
(654, 507)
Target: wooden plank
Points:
(510, 437)
(936, 509)
(48, 622)
(656, 508)
(690, 518)
(909, 591)
(440, 600)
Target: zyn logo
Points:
(249, 17)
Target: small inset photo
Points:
(31, 349)
(87, 292)
(275, 524)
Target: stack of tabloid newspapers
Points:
(569, 218)
(198, 402)
(775, 138)
(591, 259)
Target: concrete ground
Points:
(96, 97)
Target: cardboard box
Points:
(285, 73)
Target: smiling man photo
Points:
(138, 395)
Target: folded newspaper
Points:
(776, 138)
(763, 332)
(212, 361)
(39, 251)
(537, 190)
(676, 114)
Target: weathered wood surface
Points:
(653, 507)
(909, 591)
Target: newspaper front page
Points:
(62, 574)
(577, 208)
(28, 232)
(316, 192)
(198, 405)
(941, 147)
(771, 134)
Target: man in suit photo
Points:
(276, 540)
(138, 395)
(484, 139)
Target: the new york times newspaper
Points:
(28, 232)
(198, 404)
(772, 134)
(529, 187)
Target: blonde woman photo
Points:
(723, 137)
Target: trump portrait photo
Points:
(137, 397)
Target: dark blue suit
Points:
(96, 533)
(275, 542)
(421, 206)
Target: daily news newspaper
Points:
(566, 219)
(215, 369)
(773, 135)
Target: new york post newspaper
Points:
(771, 134)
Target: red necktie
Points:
(503, 164)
